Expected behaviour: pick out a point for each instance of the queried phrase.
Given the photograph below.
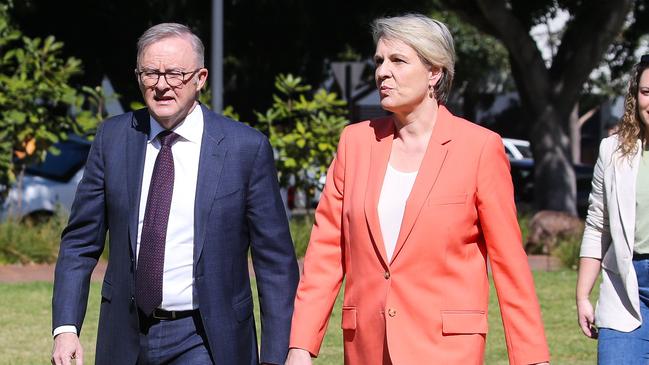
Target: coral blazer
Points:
(428, 304)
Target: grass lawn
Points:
(26, 317)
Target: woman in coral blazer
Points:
(412, 205)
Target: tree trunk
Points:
(575, 134)
(554, 177)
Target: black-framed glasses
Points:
(150, 78)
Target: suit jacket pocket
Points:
(348, 318)
(107, 291)
(457, 322)
(447, 199)
(243, 309)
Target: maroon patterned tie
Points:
(150, 264)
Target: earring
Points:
(430, 91)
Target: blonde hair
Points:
(631, 127)
(431, 40)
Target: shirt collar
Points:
(190, 129)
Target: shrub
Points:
(26, 242)
(567, 251)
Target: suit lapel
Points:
(625, 190)
(137, 137)
(210, 166)
(379, 157)
(427, 175)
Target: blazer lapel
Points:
(136, 142)
(427, 175)
(625, 190)
(379, 157)
(210, 166)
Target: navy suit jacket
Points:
(237, 208)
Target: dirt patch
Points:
(39, 272)
(45, 272)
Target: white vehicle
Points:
(517, 149)
(49, 186)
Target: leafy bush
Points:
(567, 251)
(304, 131)
(26, 242)
(36, 98)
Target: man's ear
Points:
(201, 78)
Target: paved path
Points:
(45, 272)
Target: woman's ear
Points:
(434, 75)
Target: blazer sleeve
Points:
(323, 263)
(273, 255)
(521, 314)
(82, 242)
(597, 235)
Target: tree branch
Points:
(588, 34)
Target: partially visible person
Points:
(184, 193)
(413, 205)
(616, 237)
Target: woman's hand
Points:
(298, 357)
(588, 272)
(586, 317)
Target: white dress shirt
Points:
(178, 275)
(392, 204)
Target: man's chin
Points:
(164, 117)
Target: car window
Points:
(63, 166)
(526, 151)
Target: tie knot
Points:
(167, 138)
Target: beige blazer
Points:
(610, 235)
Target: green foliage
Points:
(567, 251)
(301, 232)
(303, 130)
(24, 242)
(36, 97)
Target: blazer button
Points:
(392, 312)
(386, 275)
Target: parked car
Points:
(50, 185)
(517, 149)
(522, 171)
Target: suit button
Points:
(392, 312)
(386, 275)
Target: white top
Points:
(392, 204)
(178, 274)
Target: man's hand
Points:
(298, 357)
(586, 317)
(66, 348)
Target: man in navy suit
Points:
(185, 193)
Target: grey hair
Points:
(166, 30)
(430, 38)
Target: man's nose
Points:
(162, 83)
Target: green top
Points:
(642, 206)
